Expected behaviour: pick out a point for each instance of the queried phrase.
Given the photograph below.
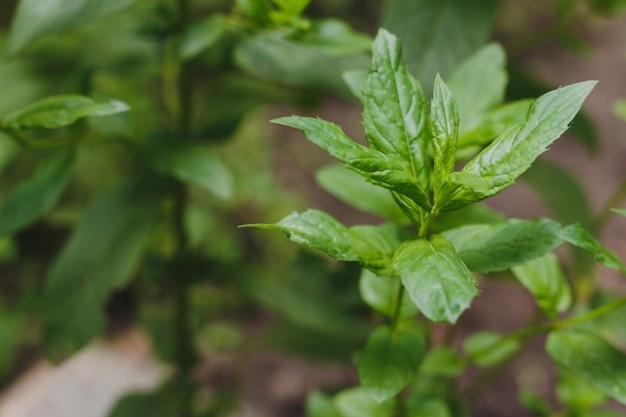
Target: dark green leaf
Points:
(352, 189)
(512, 153)
(37, 18)
(592, 359)
(562, 193)
(272, 56)
(381, 293)
(335, 38)
(444, 124)
(438, 35)
(372, 246)
(394, 115)
(579, 237)
(258, 10)
(479, 84)
(501, 246)
(169, 400)
(13, 326)
(435, 278)
(390, 360)
(197, 166)
(36, 196)
(102, 255)
(487, 348)
(545, 280)
(202, 36)
(358, 402)
(375, 166)
(59, 111)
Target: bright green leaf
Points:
(579, 237)
(352, 189)
(59, 111)
(545, 280)
(442, 361)
(357, 82)
(37, 18)
(258, 10)
(372, 246)
(358, 402)
(438, 35)
(512, 153)
(195, 165)
(591, 359)
(319, 405)
(619, 109)
(390, 359)
(479, 84)
(394, 115)
(619, 211)
(496, 247)
(435, 278)
(292, 7)
(444, 126)
(36, 196)
(202, 36)
(375, 166)
(102, 255)
(578, 394)
(487, 348)
(381, 293)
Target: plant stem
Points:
(614, 201)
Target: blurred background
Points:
(122, 267)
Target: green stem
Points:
(397, 308)
(614, 201)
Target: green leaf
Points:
(579, 237)
(479, 84)
(562, 193)
(545, 280)
(352, 189)
(102, 255)
(444, 124)
(335, 38)
(486, 248)
(435, 278)
(36, 196)
(258, 10)
(270, 55)
(619, 109)
(488, 348)
(619, 211)
(512, 153)
(390, 359)
(375, 166)
(358, 402)
(468, 215)
(442, 361)
(319, 405)
(578, 394)
(381, 293)
(394, 115)
(37, 18)
(591, 359)
(438, 35)
(292, 7)
(202, 36)
(168, 400)
(372, 246)
(59, 111)
(493, 124)
(194, 165)
(13, 329)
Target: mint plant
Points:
(417, 270)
